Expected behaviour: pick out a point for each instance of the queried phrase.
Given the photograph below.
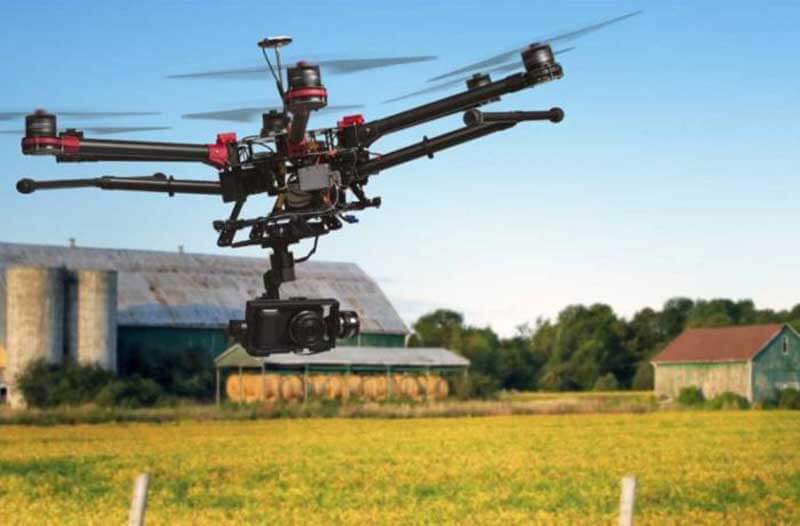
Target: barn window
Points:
(785, 345)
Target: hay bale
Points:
(334, 390)
(251, 387)
(271, 387)
(354, 385)
(254, 387)
(243, 388)
(427, 385)
(408, 387)
(441, 389)
(318, 384)
(434, 387)
(291, 388)
(232, 388)
(375, 388)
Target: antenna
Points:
(275, 43)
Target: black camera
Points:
(293, 325)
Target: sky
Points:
(673, 173)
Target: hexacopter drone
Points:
(316, 176)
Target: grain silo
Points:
(92, 313)
(34, 320)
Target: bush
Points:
(131, 393)
(185, 373)
(789, 398)
(643, 380)
(607, 382)
(476, 385)
(728, 400)
(50, 385)
(690, 396)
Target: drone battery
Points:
(317, 177)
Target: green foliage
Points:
(607, 382)
(588, 343)
(187, 373)
(130, 393)
(789, 399)
(690, 396)
(727, 400)
(476, 385)
(644, 379)
(584, 343)
(49, 385)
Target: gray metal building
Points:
(166, 301)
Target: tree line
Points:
(585, 347)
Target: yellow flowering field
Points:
(692, 468)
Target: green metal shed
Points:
(344, 359)
(753, 361)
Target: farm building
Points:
(105, 306)
(372, 373)
(752, 361)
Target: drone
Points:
(317, 178)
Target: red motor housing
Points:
(305, 94)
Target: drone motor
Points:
(478, 80)
(305, 94)
(42, 130)
(539, 61)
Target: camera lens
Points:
(307, 329)
(348, 324)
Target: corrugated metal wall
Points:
(773, 369)
(133, 340)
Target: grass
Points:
(693, 467)
(506, 404)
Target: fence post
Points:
(305, 383)
(627, 501)
(218, 394)
(139, 502)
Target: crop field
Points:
(692, 468)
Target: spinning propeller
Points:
(89, 115)
(509, 60)
(254, 113)
(331, 66)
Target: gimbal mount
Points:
(316, 176)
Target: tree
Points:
(589, 344)
(441, 328)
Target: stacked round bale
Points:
(255, 387)
(269, 387)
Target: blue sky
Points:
(674, 172)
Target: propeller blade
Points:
(505, 56)
(330, 66)
(252, 114)
(102, 130)
(10, 115)
(503, 68)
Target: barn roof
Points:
(342, 356)
(720, 344)
(163, 289)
